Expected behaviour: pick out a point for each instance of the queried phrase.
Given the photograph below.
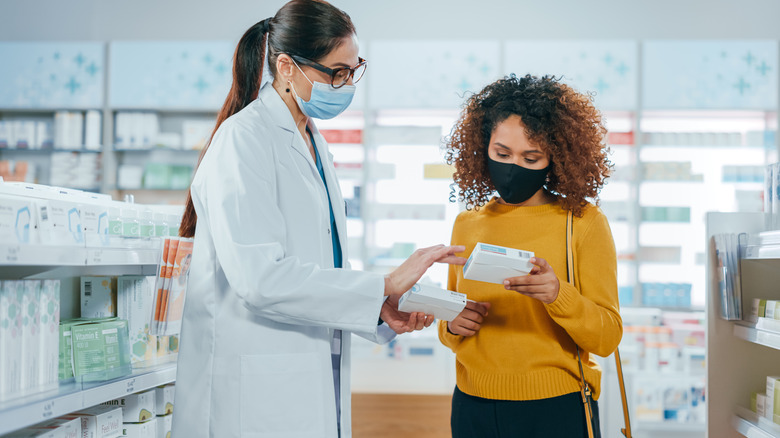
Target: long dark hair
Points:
(307, 28)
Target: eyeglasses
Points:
(338, 76)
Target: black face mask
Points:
(516, 184)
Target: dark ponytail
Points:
(306, 28)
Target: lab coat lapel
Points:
(282, 117)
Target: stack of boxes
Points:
(164, 409)
(99, 421)
(29, 336)
(64, 427)
(767, 405)
(138, 414)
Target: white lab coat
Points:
(263, 298)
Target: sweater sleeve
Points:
(590, 314)
(448, 339)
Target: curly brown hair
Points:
(560, 121)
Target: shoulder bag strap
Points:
(585, 388)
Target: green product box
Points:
(66, 349)
(89, 353)
(116, 344)
(100, 349)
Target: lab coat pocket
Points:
(281, 394)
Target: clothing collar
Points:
(277, 109)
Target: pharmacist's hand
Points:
(402, 322)
(469, 321)
(405, 276)
(541, 283)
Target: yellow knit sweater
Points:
(526, 349)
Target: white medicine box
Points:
(136, 408)
(140, 430)
(494, 264)
(441, 303)
(164, 396)
(100, 422)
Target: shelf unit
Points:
(134, 257)
(71, 397)
(740, 354)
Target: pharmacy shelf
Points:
(40, 255)
(750, 333)
(667, 426)
(49, 150)
(147, 150)
(748, 424)
(165, 110)
(72, 397)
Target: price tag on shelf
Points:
(48, 410)
(96, 257)
(12, 253)
(131, 386)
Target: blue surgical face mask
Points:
(325, 102)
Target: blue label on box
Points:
(493, 249)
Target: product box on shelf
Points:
(164, 399)
(100, 349)
(100, 421)
(772, 397)
(66, 349)
(164, 426)
(49, 331)
(11, 293)
(17, 220)
(136, 408)
(94, 219)
(98, 297)
(140, 430)
(134, 303)
(60, 223)
(494, 264)
(31, 326)
(65, 427)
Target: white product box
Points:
(10, 338)
(98, 297)
(100, 422)
(92, 128)
(164, 426)
(94, 220)
(769, 312)
(25, 134)
(761, 405)
(772, 405)
(136, 408)
(494, 264)
(17, 220)
(164, 399)
(65, 427)
(60, 223)
(140, 430)
(135, 296)
(441, 303)
(31, 325)
(49, 342)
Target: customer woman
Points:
(270, 307)
(540, 145)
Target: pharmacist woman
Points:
(271, 305)
(540, 145)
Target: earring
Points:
(287, 90)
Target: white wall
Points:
(396, 19)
